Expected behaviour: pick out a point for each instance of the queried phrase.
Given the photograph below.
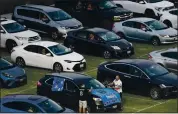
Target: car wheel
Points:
(106, 54)
(57, 67)
(20, 62)
(10, 44)
(168, 23)
(121, 35)
(54, 35)
(155, 41)
(150, 13)
(155, 93)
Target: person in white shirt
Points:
(117, 83)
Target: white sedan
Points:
(170, 17)
(48, 55)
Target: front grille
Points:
(77, 67)
(75, 27)
(33, 38)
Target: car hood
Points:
(69, 22)
(169, 79)
(116, 12)
(122, 43)
(107, 95)
(26, 34)
(15, 71)
(162, 4)
(72, 56)
(168, 31)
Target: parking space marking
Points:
(142, 99)
(30, 88)
(131, 108)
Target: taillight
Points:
(39, 83)
(149, 57)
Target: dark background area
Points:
(7, 6)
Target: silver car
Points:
(146, 29)
(167, 58)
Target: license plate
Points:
(81, 65)
(128, 52)
(115, 106)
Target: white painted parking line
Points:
(131, 108)
(128, 96)
(30, 88)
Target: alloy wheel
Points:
(107, 54)
(20, 62)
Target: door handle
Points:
(127, 76)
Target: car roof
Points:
(43, 43)
(96, 30)
(35, 99)
(41, 7)
(141, 19)
(6, 21)
(76, 77)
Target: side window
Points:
(135, 71)
(172, 55)
(128, 24)
(70, 86)
(22, 12)
(92, 37)
(42, 50)
(82, 35)
(119, 67)
(22, 106)
(90, 7)
(50, 81)
(43, 17)
(31, 48)
(139, 26)
(143, 76)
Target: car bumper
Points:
(169, 40)
(172, 90)
(101, 108)
(124, 52)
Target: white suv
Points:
(150, 8)
(14, 34)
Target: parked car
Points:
(146, 29)
(48, 55)
(170, 17)
(15, 103)
(46, 19)
(99, 41)
(100, 98)
(167, 58)
(140, 75)
(14, 34)
(150, 8)
(94, 13)
(11, 75)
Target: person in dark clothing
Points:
(84, 94)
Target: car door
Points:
(3, 37)
(170, 60)
(44, 55)
(129, 29)
(142, 32)
(71, 93)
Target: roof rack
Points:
(26, 6)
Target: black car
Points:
(94, 13)
(99, 41)
(140, 75)
(67, 91)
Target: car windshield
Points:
(153, 1)
(155, 70)
(94, 84)
(60, 49)
(13, 27)
(109, 36)
(5, 65)
(59, 15)
(174, 12)
(107, 5)
(156, 25)
(50, 106)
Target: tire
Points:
(55, 35)
(150, 13)
(168, 23)
(155, 93)
(121, 35)
(106, 24)
(10, 44)
(155, 41)
(57, 67)
(20, 62)
(107, 54)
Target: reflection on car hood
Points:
(168, 31)
(72, 56)
(169, 79)
(163, 4)
(69, 22)
(26, 34)
(120, 43)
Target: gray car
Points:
(146, 29)
(167, 58)
(46, 19)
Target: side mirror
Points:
(2, 31)
(24, 26)
(46, 20)
(141, 2)
(48, 54)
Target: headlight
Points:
(158, 8)
(166, 36)
(7, 75)
(96, 99)
(21, 38)
(164, 86)
(116, 47)
(68, 61)
(116, 18)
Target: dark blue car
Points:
(30, 104)
(11, 75)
